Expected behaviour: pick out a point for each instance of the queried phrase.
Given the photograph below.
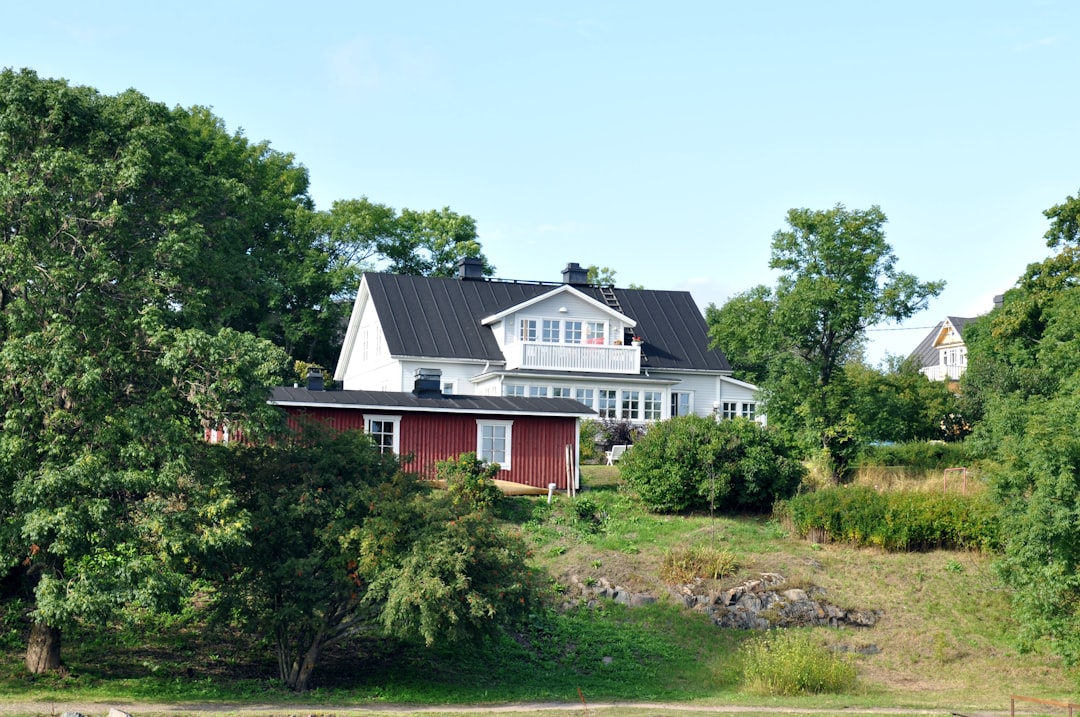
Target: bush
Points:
(896, 521)
(920, 455)
(693, 462)
(785, 663)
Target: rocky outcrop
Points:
(757, 604)
(762, 603)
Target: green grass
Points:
(945, 639)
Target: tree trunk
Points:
(43, 649)
(299, 672)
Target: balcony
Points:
(573, 357)
(942, 372)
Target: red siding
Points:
(538, 447)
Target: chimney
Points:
(574, 274)
(314, 379)
(470, 268)
(427, 383)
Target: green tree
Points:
(1023, 383)
(838, 276)
(359, 235)
(694, 462)
(110, 367)
(340, 541)
(899, 404)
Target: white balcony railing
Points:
(940, 372)
(573, 357)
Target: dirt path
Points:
(550, 709)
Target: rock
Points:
(113, 712)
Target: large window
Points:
(595, 332)
(608, 403)
(653, 403)
(631, 405)
(550, 331)
(586, 396)
(384, 430)
(572, 332)
(681, 404)
(493, 442)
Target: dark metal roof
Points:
(382, 400)
(926, 353)
(440, 318)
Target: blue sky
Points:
(664, 140)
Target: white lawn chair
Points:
(615, 453)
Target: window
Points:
(585, 395)
(550, 332)
(608, 403)
(729, 410)
(748, 410)
(631, 404)
(594, 332)
(561, 392)
(538, 391)
(653, 402)
(493, 440)
(680, 403)
(527, 330)
(513, 389)
(572, 332)
(384, 431)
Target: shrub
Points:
(920, 455)
(686, 564)
(589, 439)
(470, 482)
(786, 662)
(897, 521)
(693, 462)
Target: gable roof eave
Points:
(363, 295)
(565, 288)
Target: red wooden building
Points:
(534, 440)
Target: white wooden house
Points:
(628, 354)
(942, 355)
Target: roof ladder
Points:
(608, 292)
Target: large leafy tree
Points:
(111, 361)
(359, 235)
(838, 277)
(897, 403)
(341, 542)
(1023, 382)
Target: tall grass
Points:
(789, 662)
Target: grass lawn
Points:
(945, 639)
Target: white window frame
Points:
(538, 391)
(573, 331)
(527, 330)
(514, 389)
(749, 410)
(729, 410)
(601, 402)
(596, 332)
(586, 396)
(675, 402)
(551, 331)
(507, 438)
(630, 404)
(652, 405)
(395, 421)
